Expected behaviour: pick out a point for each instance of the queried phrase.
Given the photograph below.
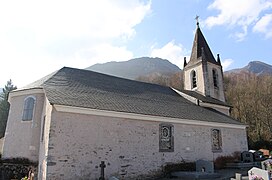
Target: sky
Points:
(40, 37)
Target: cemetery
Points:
(248, 165)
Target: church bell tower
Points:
(203, 74)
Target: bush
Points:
(183, 166)
(16, 168)
(18, 161)
(221, 161)
(261, 144)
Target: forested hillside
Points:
(251, 98)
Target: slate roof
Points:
(206, 99)
(197, 53)
(87, 89)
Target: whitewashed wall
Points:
(217, 93)
(199, 79)
(22, 138)
(203, 86)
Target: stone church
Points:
(72, 119)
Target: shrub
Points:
(18, 161)
(221, 161)
(183, 166)
(16, 167)
(261, 144)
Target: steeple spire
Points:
(203, 73)
(200, 48)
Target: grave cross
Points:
(102, 173)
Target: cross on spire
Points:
(196, 18)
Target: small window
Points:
(215, 78)
(28, 109)
(216, 140)
(166, 138)
(193, 79)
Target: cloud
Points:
(175, 53)
(264, 25)
(242, 13)
(226, 63)
(99, 19)
(37, 37)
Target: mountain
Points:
(146, 68)
(256, 67)
(134, 68)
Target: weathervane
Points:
(196, 18)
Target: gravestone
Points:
(204, 166)
(267, 165)
(255, 173)
(247, 157)
(258, 156)
(238, 176)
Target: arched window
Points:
(215, 78)
(193, 79)
(28, 108)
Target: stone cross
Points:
(102, 173)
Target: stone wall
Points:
(130, 148)
(43, 152)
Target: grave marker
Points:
(247, 157)
(255, 173)
(267, 165)
(204, 166)
(102, 173)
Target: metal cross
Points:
(196, 18)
